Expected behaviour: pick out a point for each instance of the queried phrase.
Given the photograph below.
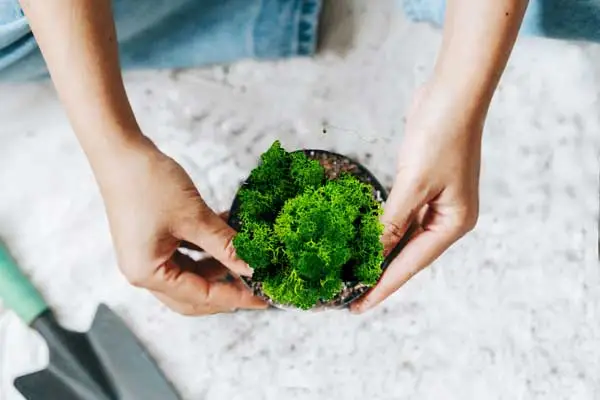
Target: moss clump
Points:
(303, 234)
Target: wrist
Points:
(112, 154)
(468, 101)
(439, 110)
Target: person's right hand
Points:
(152, 206)
(435, 198)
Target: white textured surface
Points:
(511, 312)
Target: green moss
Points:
(300, 231)
(257, 245)
(306, 173)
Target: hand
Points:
(152, 205)
(436, 186)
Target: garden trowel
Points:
(105, 363)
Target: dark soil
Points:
(334, 165)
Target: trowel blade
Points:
(128, 365)
(44, 385)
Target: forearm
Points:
(78, 41)
(478, 39)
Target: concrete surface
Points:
(511, 312)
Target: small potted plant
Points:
(308, 224)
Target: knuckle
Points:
(393, 230)
(185, 311)
(416, 184)
(187, 224)
(201, 212)
(192, 310)
(136, 277)
(200, 308)
(191, 216)
(466, 222)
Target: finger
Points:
(414, 229)
(421, 251)
(213, 235)
(223, 215)
(199, 294)
(188, 309)
(210, 309)
(401, 208)
(208, 268)
(241, 297)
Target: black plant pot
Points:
(334, 164)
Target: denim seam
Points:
(295, 27)
(286, 28)
(307, 27)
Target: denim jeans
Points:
(557, 19)
(178, 33)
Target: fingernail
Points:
(249, 271)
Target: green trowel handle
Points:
(17, 292)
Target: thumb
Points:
(401, 208)
(212, 234)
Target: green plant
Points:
(305, 235)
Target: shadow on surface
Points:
(337, 26)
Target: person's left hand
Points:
(153, 207)
(436, 186)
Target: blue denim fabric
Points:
(178, 33)
(557, 19)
